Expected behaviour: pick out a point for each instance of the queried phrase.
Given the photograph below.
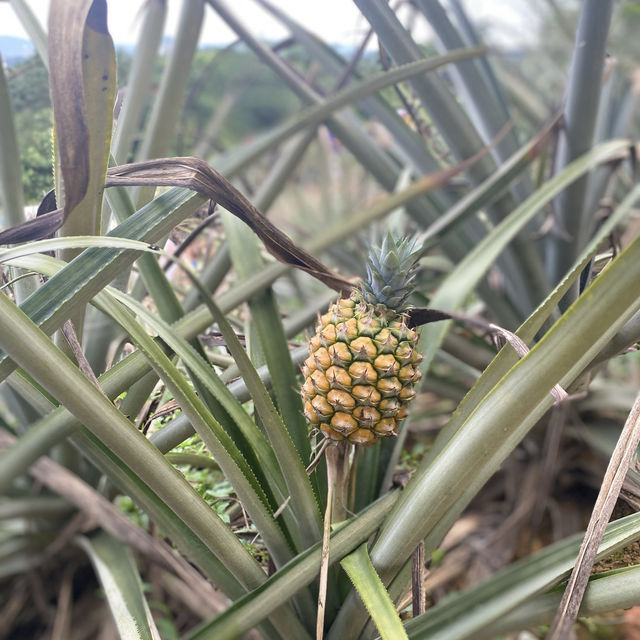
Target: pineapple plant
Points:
(362, 367)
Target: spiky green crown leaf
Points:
(391, 271)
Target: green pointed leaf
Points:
(373, 594)
(92, 270)
(249, 610)
(120, 581)
(82, 86)
(32, 349)
(467, 614)
(462, 280)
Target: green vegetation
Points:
(29, 90)
(221, 81)
(169, 368)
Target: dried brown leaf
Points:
(195, 174)
(67, 22)
(612, 482)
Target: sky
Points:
(125, 17)
(335, 21)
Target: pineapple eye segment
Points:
(328, 335)
(339, 378)
(322, 407)
(319, 381)
(386, 365)
(408, 374)
(308, 388)
(363, 373)
(386, 427)
(368, 326)
(390, 408)
(341, 400)
(363, 437)
(366, 416)
(347, 330)
(389, 386)
(366, 394)
(314, 343)
(309, 365)
(385, 341)
(340, 354)
(363, 348)
(405, 353)
(310, 413)
(330, 433)
(344, 423)
(322, 358)
(407, 393)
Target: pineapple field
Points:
(307, 338)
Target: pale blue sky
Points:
(336, 21)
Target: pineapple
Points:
(363, 363)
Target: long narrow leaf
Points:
(313, 116)
(581, 110)
(294, 471)
(82, 93)
(79, 281)
(469, 272)
(220, 444)
(118, 575)
(139, 80)
(32, 26)
(558, 357)
(267, 464)
(32, 350)
(252, 608)
(615, 590)
(373, 594)
(467, 614)
(10, 179)
(507, 357)
(266, 317)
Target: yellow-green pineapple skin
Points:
(361, 371)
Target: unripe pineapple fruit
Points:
(363, 364)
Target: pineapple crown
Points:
(391, 271)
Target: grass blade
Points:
(562, 364)
(217, 440)
(523, 396)
(297, 480)
(605, 593)
(266, 317)
(138, 82)
(469, 272)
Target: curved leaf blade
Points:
(373, 594)
(118, 575)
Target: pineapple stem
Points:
(337, 457)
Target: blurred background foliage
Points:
(322, 185)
